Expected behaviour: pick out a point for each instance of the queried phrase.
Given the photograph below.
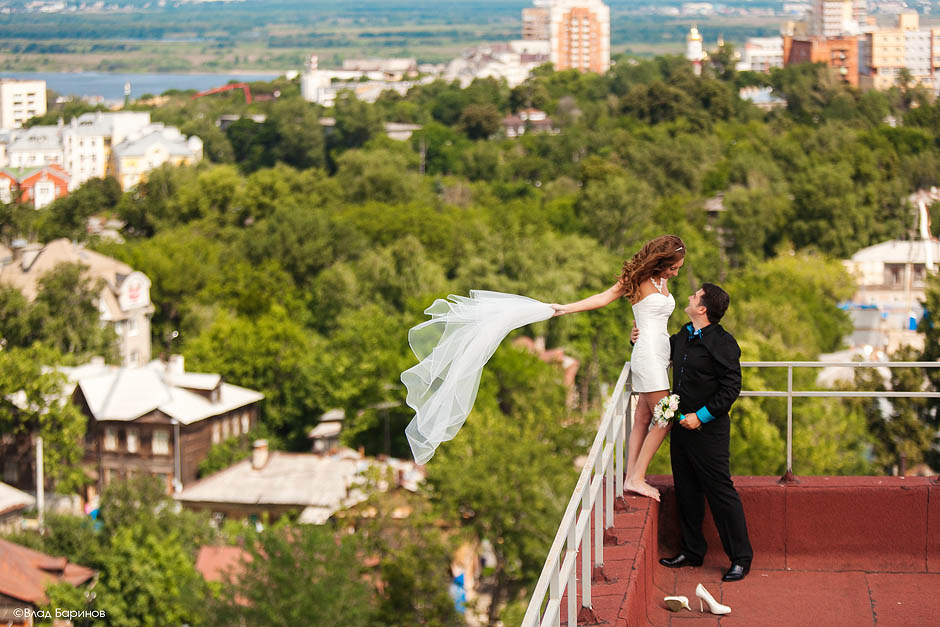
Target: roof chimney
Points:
(259, 454)
(17, 247)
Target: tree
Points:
(68, 216)
(15, 328)
(356, 121)
(272, 353)
(16, 220)
(30, 403)
(300, 141)
(793, 298)
(148, 581)
(298, 576)
(901, 432)
(414, 553)
(480, 121)
(617, 211)
(65, 314)
(377, 175)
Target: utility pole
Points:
(40, 482)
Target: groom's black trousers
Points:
(700, 469)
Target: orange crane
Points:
(216, 90)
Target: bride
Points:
(643, 282)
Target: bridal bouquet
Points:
(666, 410)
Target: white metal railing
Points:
(790, 393)
(605, 466)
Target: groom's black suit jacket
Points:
(706, 369)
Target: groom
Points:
(706, 371)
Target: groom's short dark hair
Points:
(716, 302)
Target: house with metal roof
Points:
(157, 419)
(24, 576)
(12, 504)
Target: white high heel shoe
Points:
(705, 598)
(674, 604)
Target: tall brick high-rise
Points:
(579, 35)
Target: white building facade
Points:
(760, 54)
(82, 147)
(20, 101)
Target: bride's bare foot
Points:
(641, 487)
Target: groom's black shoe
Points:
(736, 572)
(679, 561)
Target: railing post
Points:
(554, 589)
(587, 557)
(572, 577)
(622, 409)
(788, 474)
(612, 432)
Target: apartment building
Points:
(20, 101)
(83, 147)
(839, 53)
(832, 18)
(579, 35)
(760, 54)
(34, 147)
(148, 149)
(87, 141)
(887, 51)
(535, 23)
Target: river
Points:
(111, 86)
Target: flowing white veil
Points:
(453, 346)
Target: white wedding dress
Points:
(649, 361)
(453, 346)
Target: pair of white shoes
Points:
(704, 598)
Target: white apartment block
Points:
(917, 57)
(580, 35)
(832, 18)
(535, 24)
(761, 53)
(33, 147)
(20, 101)
(87, 141)
(94, 145)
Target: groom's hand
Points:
(634, 334)
(691, 421)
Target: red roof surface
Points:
(25, 573)
(213, 562)
(828, 551)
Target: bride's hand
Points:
(559, 310)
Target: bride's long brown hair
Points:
(652, 260)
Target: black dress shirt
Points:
(706, 371)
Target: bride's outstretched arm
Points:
(596, 301)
